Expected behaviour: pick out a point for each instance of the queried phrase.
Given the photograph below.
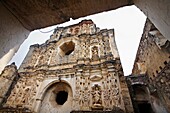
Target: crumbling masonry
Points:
(78, 69)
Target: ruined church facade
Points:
(77, 69)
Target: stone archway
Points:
(141, 99)
(57, 98)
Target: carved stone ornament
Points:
(97, 100)
(75, 70)
(95, 77)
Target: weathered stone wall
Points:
(114, 92)
(162, 85)
(50, 52)
(86, 62)
(12, 35)
(8, 79)
(152, 60)
(151, 57)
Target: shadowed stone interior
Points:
(61, 97)
(67, 48)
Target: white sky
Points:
(128, 23)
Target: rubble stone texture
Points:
(152, 53)
(162, 84)
(152, 61)
(8, 79)
(78, 69)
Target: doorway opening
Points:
(145, 108)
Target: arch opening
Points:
(57, 97)
(67, 48)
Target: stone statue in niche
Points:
(96, 94)
(95, 53)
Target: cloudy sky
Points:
(128, 23)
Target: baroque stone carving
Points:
(95, 52)
(95, 77)
(87, 65)
(97, 100)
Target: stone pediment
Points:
(95, 77)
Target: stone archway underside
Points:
(39, 14)
(35, 14)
